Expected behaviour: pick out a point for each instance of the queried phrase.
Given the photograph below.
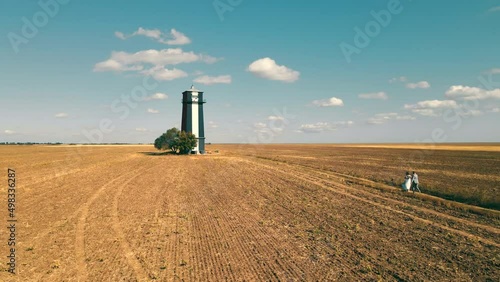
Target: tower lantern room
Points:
(192, 117)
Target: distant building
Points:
(192, 117)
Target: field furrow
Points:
(488, 234)
(128, 214)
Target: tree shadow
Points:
(157, 153)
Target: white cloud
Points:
(471, 93)
(315, 127)
(331, 102)
(323, 126)
(151, 33)
(398, 117)
(493, 71)
(375, 95)
(178, 38)
(344, 123)
(420, 84)
(209, 59)
(473, 113)
(494, 9)
(434, 104)
(152, 111)
(268, 69)
(396, 79)
(61, 115)
(170, 56)
(271, 127)
(120, 61)
(385, 117)
(275, 118)
(156, 96)
(9, 132)
(432, 107)
(120, 35)
(209, 80)
(141, 129)
(212, 124)
(411, 85)
(161, 73)
(112, 65)
(259, 125)
(174, 38)
(494, 110)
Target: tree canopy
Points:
(179, 142)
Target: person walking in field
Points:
(414, 183)
(407, 183)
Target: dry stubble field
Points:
(125, 213)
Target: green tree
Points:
(186, 142)
(160, 143)
(176, 141)
(167, 140)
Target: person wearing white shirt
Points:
(414, 183)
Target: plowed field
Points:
(127, 213)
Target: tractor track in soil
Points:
(242, 218)
(371, 198)
(120, 182)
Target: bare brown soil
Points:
(465, 173)
(272, 213)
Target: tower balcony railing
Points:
(202, 101)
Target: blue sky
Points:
(272, 71)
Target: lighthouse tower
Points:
(192, 117)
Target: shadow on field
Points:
(156, 153)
